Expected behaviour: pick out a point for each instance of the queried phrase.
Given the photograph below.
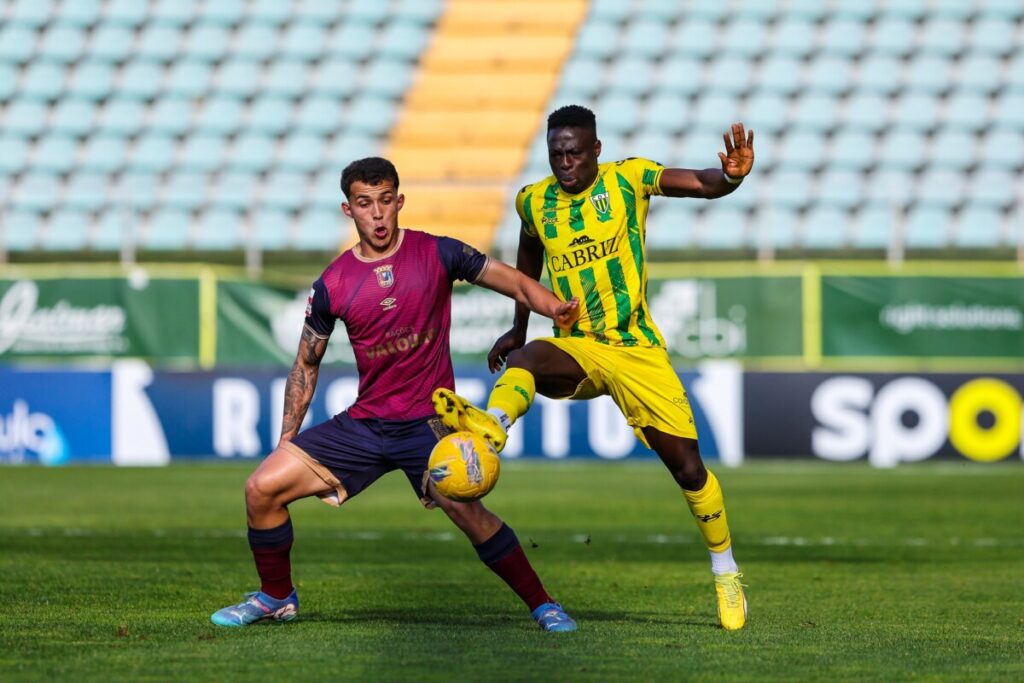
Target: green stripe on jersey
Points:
(563, 286)
(637, 247)
(576, 214)
(595, 309)
(622, 303)
(550, 214)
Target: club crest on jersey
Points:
(389, 303)
(601, 202)
(385, 278)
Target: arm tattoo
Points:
(298, 390)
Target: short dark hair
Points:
(572, 116)
(371, 170)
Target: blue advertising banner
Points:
(237, 415)
(54, 417)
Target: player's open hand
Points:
(567, 313)
(739, 148)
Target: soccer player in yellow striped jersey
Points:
(587, 223)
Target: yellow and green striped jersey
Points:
(594, 248)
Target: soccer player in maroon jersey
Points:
(392, 291)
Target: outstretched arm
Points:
(529, 293)
(529, 262)
(711, 183)
(298, 390)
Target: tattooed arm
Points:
(298, 391)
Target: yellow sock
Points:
(513, 393)
(708, 508)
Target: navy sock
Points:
(271, 549)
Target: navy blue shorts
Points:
(357, 452)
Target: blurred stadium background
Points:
(890, 135)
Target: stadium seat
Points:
(788, 189)
(952, 149)
(940, 188)
(111, 43)
(865, 112)
(978, 227)
(776, 227)
(743, 37)
(302, 152)
(25, 117)
(829, 75)
(255, 41)
(1008, 108)
(801, 150)
(34, 13)
(671, 226)
(252, 152)
(928, 227)
(386, 78)
(597, 40)
(270, 228)
(792, 37)
(303, 41)
(139, 190)
(104, 153)
(202, 152)
(21, 229)
(666, 113)
(941, 36)
(728, 75)
(158, 42)
(130, 13)
(85, 192)
(166, 230)
(233, 190)
(91, 80)
(271, 12)
(62, 43)
(13, 154)
(915, 111)
(780, 75)
(170, 116)
(766, 113)
(722, 226)
(1003, 148)
(979, 73)
(286, 78)
(217, 229)
(929, 74)
(839, 188)
(371, 115)
(992, 36)
(967, 111)
(645, 38)
(814, 112)
(694, 38)
(153, 153)
(207, 42)
(238, 78)
(219, 115)
(8, 81)
(852, 150)
(112, 230)
(174, 12)
(319, 229)
(81, 13)
(716, 112)
(678, 76)
(184, 190)
(879, 75)
(188, 79)
(993, 187)
(873, 226)
(55, 153)
(843, 36)
(66, 230)
(122, 117)
(351, 40)
(270, 114)
(402, 41)
(283, 190)
(902, 150)
(824, 227)
(140, 79)
(43, 80)
(17, 43)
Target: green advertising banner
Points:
(923, 317)
(108, 317)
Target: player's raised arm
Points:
(710, 183)
(529, 293)
(298, 390)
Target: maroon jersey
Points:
(397, 311)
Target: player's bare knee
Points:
(258, 494)
(690, 474)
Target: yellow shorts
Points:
(640, 380)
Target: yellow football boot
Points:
(732, 603)
(460, 415)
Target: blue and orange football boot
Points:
(551, 617)
(258, 606)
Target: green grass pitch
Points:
(911, 574)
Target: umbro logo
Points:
(582, 239)
(389, 303)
